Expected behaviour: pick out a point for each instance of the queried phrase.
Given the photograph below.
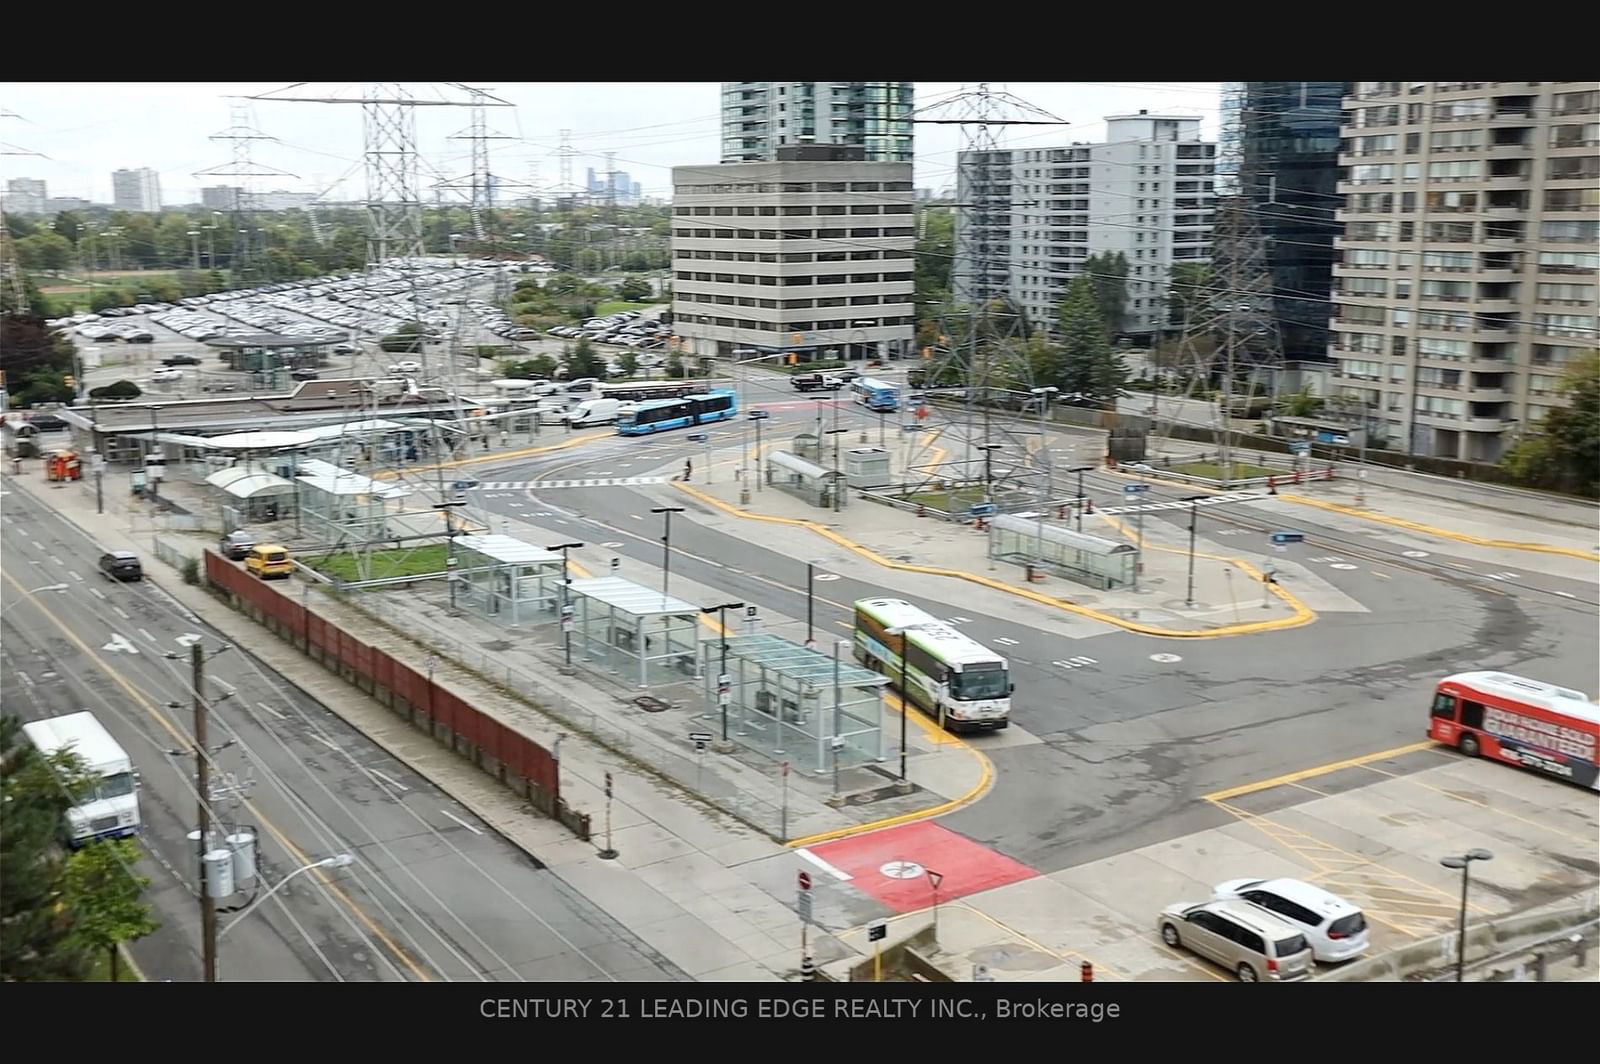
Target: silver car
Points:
(1244, 938)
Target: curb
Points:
(1462, 537)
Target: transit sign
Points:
(1135, 489)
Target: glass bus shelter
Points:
(1078, 556)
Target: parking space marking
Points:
(1588, 839)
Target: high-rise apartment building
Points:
(221, 197)
(1287, 171)
(1031, 217)
(26, 195)
(1468, 264)
(810, 253)
(758, 117)
(136, 190)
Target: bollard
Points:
(1272, 485)
(1086, 972)
(922, 511)
(1061, 512)
(808, 970)
(1541, 962)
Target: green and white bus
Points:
(947, 674)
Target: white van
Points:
(595, 412)
(112, 809)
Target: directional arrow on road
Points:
(120, 645)
(188, 639)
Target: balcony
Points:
(1486, 424)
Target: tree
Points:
(69, 225)
(44, 251)
(1301, 403)
(105, 896)
(539, 367)
(117, 390)
(37, 942)
(1109, 273)
(675, 368)
(584, 362)
(101, 298)
(1188, 290)
(629, 361)
(406, 340)
(634, 290)
(1088, 365)
(1562, 454)
(1044, 359)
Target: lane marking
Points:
(122, 613)
(463, 823)
(97, 593)
(1007, 642)
(1320, 770)
(76, 577)
(148, 638)
(840, 875)
(57, 560)
(274, 712)
(325, 742)
(1380, 574)
(396, 784)
(38, 546)
(120, 645)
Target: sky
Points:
(87, 130)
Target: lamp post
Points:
(1193, 502)
(666, 546)
(837, 741)
(1464, 862)
(758, 416)
(988, 450)
(1080, 470)
(450, 545)
(723, 692)
(1044, 396)
(905, 698)
(838, 493)
(194, 248)
(36, 591)
(811, 602)
(566, 605)
(340, 860)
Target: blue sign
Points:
(1299, 447)
(1135, 489)
(983, 509)
(1280, 538)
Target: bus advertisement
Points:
(946, 674)
(1552, 729)
(661, 415)
(875, 394)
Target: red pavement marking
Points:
(967, 867)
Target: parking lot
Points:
(1371, 832)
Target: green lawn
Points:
(1240, 470)
(616, 306)
(415, 561)
(950, 502)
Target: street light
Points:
(1193, 502)
(1045, 395)
(1464, 862)
(566, 607)
(811, 602)
(838, 500)
(837, 740)
(1081, 470)
(722, 671)
(758, 416)
(338, 860)
(37, 591)
(666, 546)
(905, 696)
(988, 450)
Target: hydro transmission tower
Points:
(243, 134)
(10, 265)
(389, 149)
(482, 183)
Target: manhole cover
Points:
(902, 870)
(650, 704)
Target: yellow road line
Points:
(1589, 839)
(1301, 616)
(187, 741)
(1320, 770)
(1415, 526)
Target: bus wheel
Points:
(1468, 745)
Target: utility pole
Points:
(202, 755)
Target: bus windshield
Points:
(974, 684)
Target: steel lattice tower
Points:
(243, 134)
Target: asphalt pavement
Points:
(433, 895)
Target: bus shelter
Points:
(507, 580)
(806, 480)
(781, 702)
(632, 630)
(253, 494)
(343, 503)
(1085, 559)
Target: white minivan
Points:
(111, 809)
(594, 412)
(1336, 929)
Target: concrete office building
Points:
(1038, 213)
(1468, 260)
(759, 117)
(810, 253)
(26, 195)
(221, 197)
(57, 204)
(136, 190)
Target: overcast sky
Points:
(89, 129)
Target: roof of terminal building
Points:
(317, 402)
(267, 340)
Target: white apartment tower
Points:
(1467, 268)
(811, 253)
(26, 195)
(136, 190)
(1031, 217)
(759, 117)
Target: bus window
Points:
(1471, 713)
(1444, 706)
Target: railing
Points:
(1535, 959)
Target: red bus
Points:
(1523, 722)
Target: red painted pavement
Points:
(967, 867)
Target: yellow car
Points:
(267, 560)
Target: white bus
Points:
(947, 674)
(112, 809)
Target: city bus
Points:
(1523, 722)
(875, 394)
(662, 414)
(946, 674)
(643, 391)
(111, 808)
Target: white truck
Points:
(111, 810)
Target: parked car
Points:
(1244, 938)
(464, 485)
(168, 374)
(1336, 929)
(121, 565)
(181, 360)
(268, 560)
(304, 375)
(406, 366)
(236, 545)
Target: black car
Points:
(304, 375)
(121, 565)
(181, 360)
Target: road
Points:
(434, 895)
(1127, 744)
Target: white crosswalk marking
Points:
(1210, 500)
(1076, 663)
(1007, 642)
(591, 482)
